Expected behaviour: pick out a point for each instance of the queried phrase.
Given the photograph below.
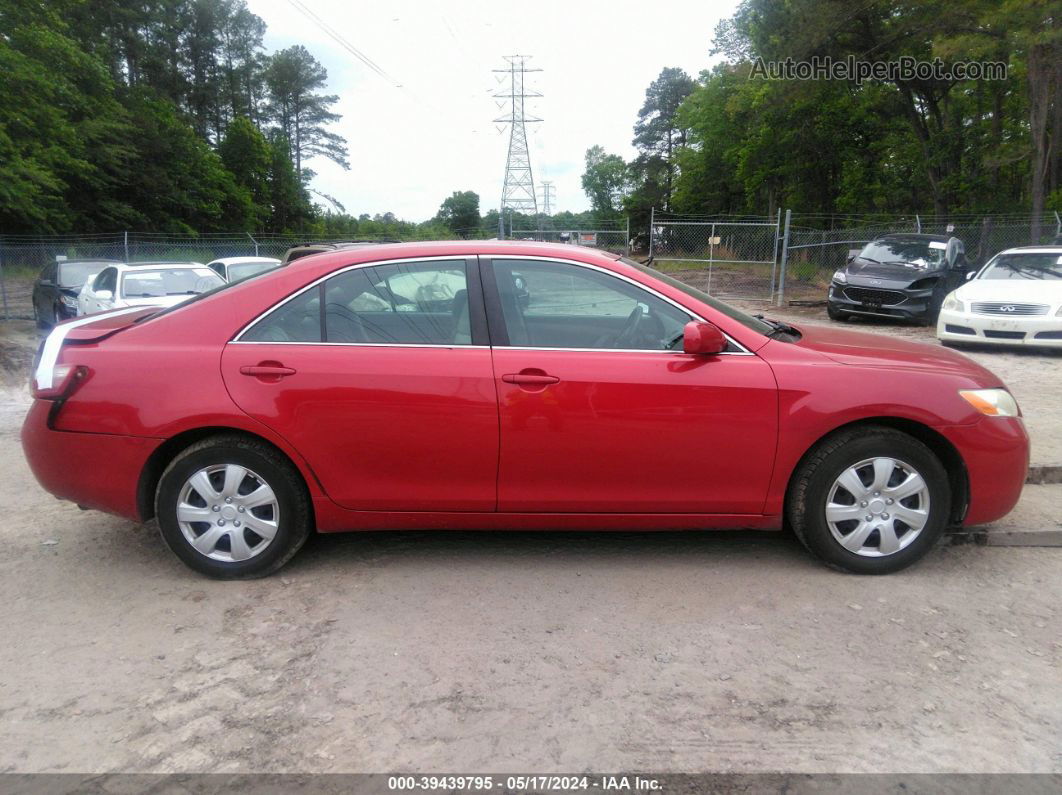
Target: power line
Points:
(298, 5)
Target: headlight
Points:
(993, 402)
(1059, 312)
(953, 305)
(69, 301)
(840, 277)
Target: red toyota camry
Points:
(501, 385)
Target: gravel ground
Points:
(520, 652)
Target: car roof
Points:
(239, 260)
(1033, 250)
(458, 248)
(89, 261)
(915, 236)
(132, 266)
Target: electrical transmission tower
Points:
(549, 193)
(518, 189)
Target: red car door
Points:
(602, 412)
(381, 378)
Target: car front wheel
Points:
(233, 508)
(836, 314)
(870, 500)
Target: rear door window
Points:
(407, 303)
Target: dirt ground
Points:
(521, 652)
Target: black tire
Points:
(836, 314)
(264, 464)
(810, 488)
(42, 324)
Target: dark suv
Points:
(902, 276)
(56, 289)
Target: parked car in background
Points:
(145, 284)
(56, 289)
(1015, 299)
(300, 250)
(901, 276)
(234, 269)
(421, 386)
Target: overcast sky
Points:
(411, 147)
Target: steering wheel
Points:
(626, 334)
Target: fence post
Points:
(785, 258)
(918, 223)
(627, 237)
(774, 253)
(126, 245)
(652, 220)
(1058, 223)
(253, 241)
(3, 287)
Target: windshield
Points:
(244, 270)
(169, 281)
(734, 314)
(75, 274)
(925, 254)
(1024, 266)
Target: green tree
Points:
(657, 132)
(604, 181)
(178, 183)
(293, 78)
(246, 153)
(460, 212)
(291, 210)
(63, 136)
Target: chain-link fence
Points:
(23, 256)
(611, 235)
(817, 246)
(730, 257)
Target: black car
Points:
(902, 276)
(56, 289)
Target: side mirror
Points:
(970, 274)
(702, 338)
(104, 295)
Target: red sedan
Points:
(499, 385)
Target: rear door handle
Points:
(267, 369)
(529, 378)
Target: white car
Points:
(1015, 299)
(235, 269)
(145, 284)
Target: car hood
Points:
(861, 273)
(1025, 291)
(861, 349)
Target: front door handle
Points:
(531, 379)
(267, 370)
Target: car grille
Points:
(1004, 335)
(868, 295)
(998, 308)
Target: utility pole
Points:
(518, 188)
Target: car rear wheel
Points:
(870, 500)
(233, 508)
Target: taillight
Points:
(65, 379)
